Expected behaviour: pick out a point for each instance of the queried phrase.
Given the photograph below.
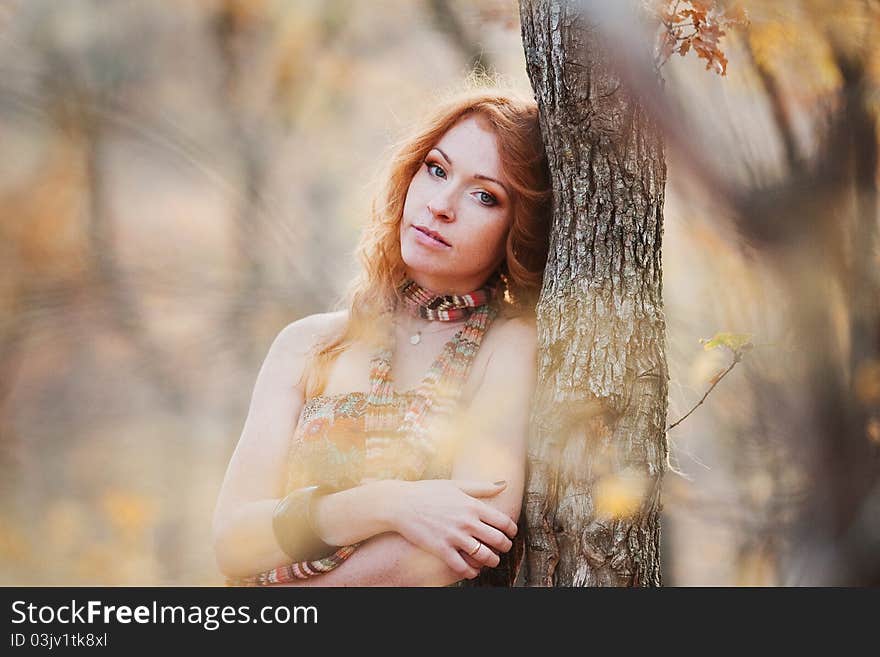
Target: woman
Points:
(408, 408)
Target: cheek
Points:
(492, 240)
(414, 193)
(410, 194)
(501, 243)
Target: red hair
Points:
(515, 122)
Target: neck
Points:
(441, 286)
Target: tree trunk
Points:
(598, 447)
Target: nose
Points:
(441, 206)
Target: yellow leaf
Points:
(733, 341)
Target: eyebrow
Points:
(478, 176)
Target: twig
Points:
(737, 357)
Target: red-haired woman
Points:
(386, 442)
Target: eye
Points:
(487, 199)
(435, 169)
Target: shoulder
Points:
(301, 335)
(519, 326)
(511, 359)
(515, 335)
(289, 354)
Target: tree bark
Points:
(598, 447)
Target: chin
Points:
(422, 264)
(418, 263)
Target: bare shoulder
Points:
(510, 359)
(301, 335)
(523, 325)
(516, 350)
(516, 335)
(512, 372)
(289, 353)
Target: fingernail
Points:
(501, 482)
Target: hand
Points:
(447, 519)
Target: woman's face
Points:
(461, 194)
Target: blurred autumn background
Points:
(179, 180)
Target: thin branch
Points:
(737, 357)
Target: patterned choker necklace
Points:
(426, 304)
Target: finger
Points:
(478, 551)
(472, 562)
(485, 556)
(498, 519)
(455, 560)
(492, 537)
(480, 488)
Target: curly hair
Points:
(514, 119)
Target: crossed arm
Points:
(494, 448)
(386, 560)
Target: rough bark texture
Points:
(598, 446)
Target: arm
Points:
(496, 442)
(387, 560)
(244, 542)
(494, 447)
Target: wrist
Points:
(293, 526)
(387, 495)
(358, 513)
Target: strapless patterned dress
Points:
(328, 446)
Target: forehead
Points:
(472, 144)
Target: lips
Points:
(430, 233)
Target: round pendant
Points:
(415, 339)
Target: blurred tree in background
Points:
(803, 211)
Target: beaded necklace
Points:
(388, 456)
